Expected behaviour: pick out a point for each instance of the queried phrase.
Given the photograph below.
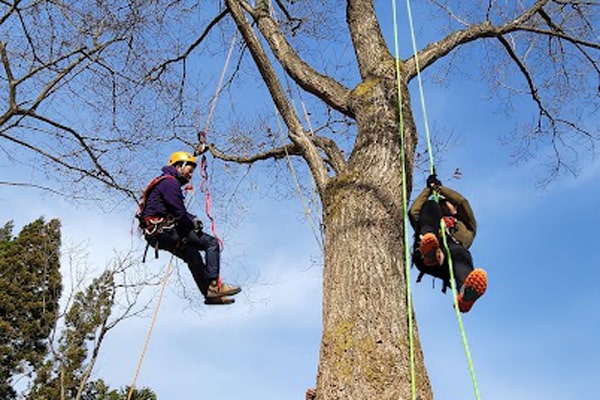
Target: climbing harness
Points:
(144, 198)
(152, 226)
(436, 197)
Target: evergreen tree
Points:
(30, 286)
(85, 326)
(98, 390)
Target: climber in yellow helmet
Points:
(168, 225)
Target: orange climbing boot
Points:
(219, 289)
(430, 250)
(473, 288)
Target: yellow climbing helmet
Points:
(182, 156)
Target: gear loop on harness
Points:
(154, 226)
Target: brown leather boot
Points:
(220, 289)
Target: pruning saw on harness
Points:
(167, 225)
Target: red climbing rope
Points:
(205, 186)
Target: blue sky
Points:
(532, 336)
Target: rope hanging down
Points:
(202, 146)
(407, 262)
(436, 196)
(205, 187)
(307, 211)
(150, 329)
(442, 224)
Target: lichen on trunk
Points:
(365, 343)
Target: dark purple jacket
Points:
(166, 198)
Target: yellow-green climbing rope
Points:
(405, 202)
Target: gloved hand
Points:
(198, 225)
(201, 149)
(202, 146)
(433, 181)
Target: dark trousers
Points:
(462, 262)
(188, 249)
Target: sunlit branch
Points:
(267, 71)
(327, 89)
(12, 93)
(437, 50)
(334, 157)
(275, 153)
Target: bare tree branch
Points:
(324, 87)
(274, 153)
(371, 49)
(296, 132)
(60, 77)
(12, 101)
(46, 189)
(334, 157)
(561, 35)
(297, 22)
(437, 50)
(456, 17)
(12, 8)
(156, 72)
(526, 74)
(103, 177)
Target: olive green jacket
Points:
(466, 225)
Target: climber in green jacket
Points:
(429, 254)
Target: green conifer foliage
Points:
(85, 324)
(30, 286)
(56, 350)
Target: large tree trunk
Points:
(365, 343)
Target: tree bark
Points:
(365, 343)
